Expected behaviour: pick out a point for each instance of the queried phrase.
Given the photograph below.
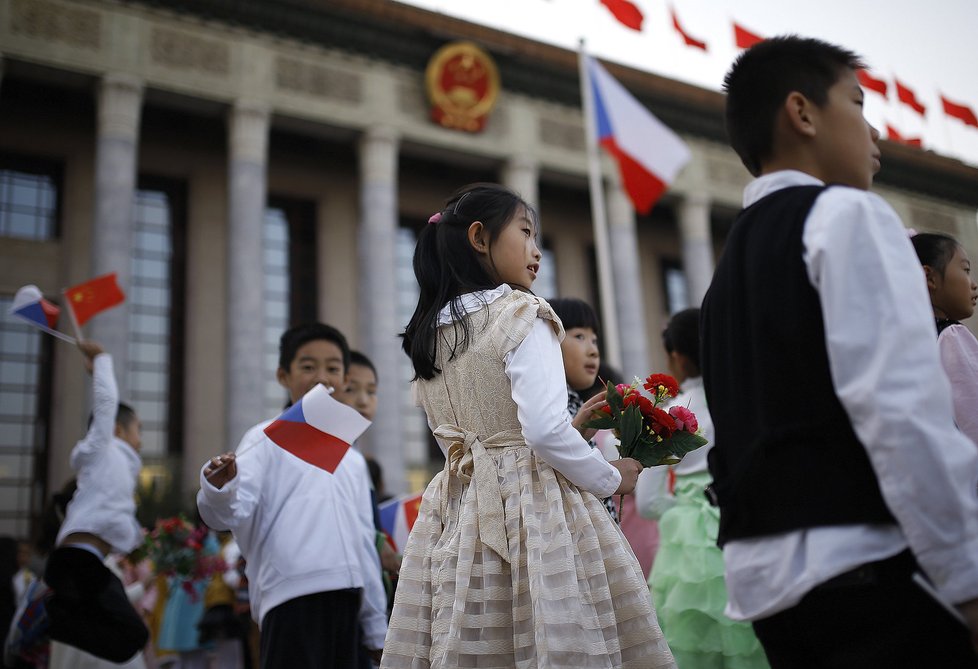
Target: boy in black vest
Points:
(849, 519)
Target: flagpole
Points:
(60, 335)
(609, 316)
(71, 315)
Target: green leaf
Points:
(631, 431)
(602, 421)
(614, 399)
(670, 451)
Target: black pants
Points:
(89, 608)
(313, 632)
(873, 616)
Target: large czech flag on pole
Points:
(649, 154)
(317, 429)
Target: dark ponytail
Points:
(934, 250)
(446, 266)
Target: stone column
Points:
(378, 323)
(120, 99)
(694, 228)
(521, 174)
(247, 162)
(627, 272)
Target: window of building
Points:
(289, 248)
(674, 285)
(156, 299)
(28, 198)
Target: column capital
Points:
(248, 122)
(378, 148)
(697, 199)
(120, 101)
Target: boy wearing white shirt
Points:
(89, 608)
(836, 465)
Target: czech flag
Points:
(318, 429)
(397, 517)
(648, 153)
(30, 306)
(93, 297)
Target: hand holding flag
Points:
(30, 306)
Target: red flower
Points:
(606, 409)
(662, 423)
(644, 405)
(624, 390)
(685, 419)
(662, 385)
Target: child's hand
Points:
(220, 470)
(630, 469)
(389, 559)
(584, 415)
(89, 349)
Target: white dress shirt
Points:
(959, 355)
(536, 371)
(652, 497)
(887, 374)
(104, 503)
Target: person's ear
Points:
(932, 277)
(283, 378)
(800, 113)
(478, 237)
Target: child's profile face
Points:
(514, 256)
(360, 391)
(317, 361)
(845, 143)
(954, 294)
(132, 433)
(581, 357)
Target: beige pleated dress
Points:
(510, 564)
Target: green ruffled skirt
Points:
(688, 588)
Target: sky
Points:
(930, 45)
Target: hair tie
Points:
(434, 218)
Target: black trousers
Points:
(313, 632)
(89, 608)
(872, 616)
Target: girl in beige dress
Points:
(513, 560)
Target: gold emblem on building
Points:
(463, 84)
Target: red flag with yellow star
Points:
(93, 297)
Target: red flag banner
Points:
(626, 12)
(894, 136)
(93, 297)
(744, 38)
(690, 41)
(871, 83)
(907, 97)
(961, 112)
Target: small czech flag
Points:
(30, 306)
(318, 429)
(397, 517)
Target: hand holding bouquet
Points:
(645, 431)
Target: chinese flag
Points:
(961, 112)
(690, 41)
(626, 12)
(745, 39)
(93, 297)
(907, 97)
(872, 83)
(894, 136)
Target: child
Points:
(838, 472)
(307, 536)
(687, 577)
(360, 391)
(947, 269)
(89, 609)
(513, 559)
(581, 357)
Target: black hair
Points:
(934, 249)
(124, 416)
(376, 473)
(762, 77)
(446, 266)
(575, 313)
(358, 358)
(299, 335)
(682, 335)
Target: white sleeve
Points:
(105, 406)
(373, 608)
(233, 505)
(887, 373)
(536, 371)
(959, 355)
(652, 497)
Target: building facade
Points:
(246, 165)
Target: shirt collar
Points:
(765, 185)
(471, 302)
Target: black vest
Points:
(785, 455)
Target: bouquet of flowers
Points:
(176, 548)
(646, 432)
